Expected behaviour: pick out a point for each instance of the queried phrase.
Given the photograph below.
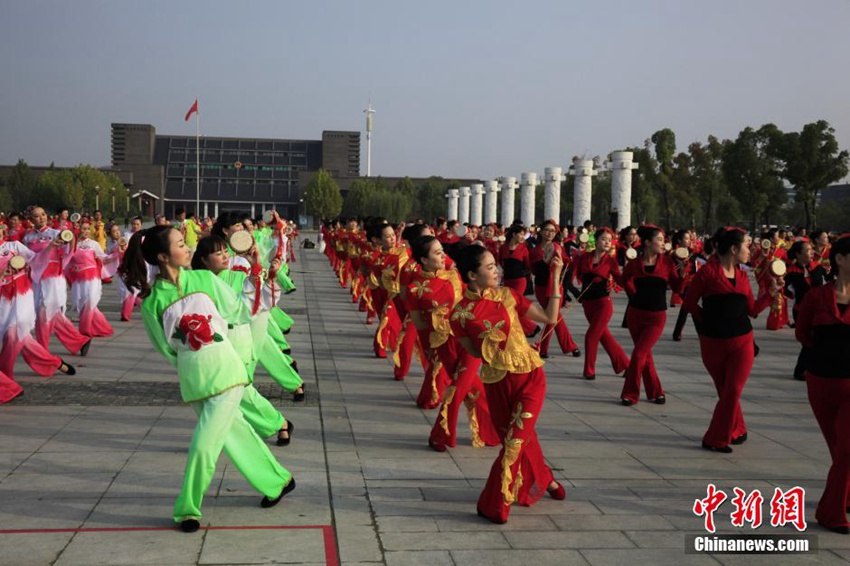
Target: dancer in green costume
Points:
(213, 255)
(186, 316)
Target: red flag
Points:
(192, 110)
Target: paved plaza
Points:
(90, 465)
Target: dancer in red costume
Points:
(762, 259)
(824, 326)
(593, 270)
(431, 295)
(646, 280)
(725, 332)
(541, 261)
(804, 273)
(486, 322)
(516, 267)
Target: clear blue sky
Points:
(461, 88)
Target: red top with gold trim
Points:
(491, 320)
(435, 295)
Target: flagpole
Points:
(198, 160)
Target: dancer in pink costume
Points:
(86, 268)
(51, 290)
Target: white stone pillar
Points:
(584, 172)
(476, 204)
(452, 195)
(509, 187)
(463, 206)
(528, 185)
(552, 197)
(491, 190)
(621, 166)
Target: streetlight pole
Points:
(97, 197)
(113, 203)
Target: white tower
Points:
(552, 196)
(476, 204)
(452, 195)
(369, 111)
(621, 167)
(491, 190)
(584, 173)
(528, 184)
(463, 206)
(509, 187)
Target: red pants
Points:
(437, 379)
(565, 339)
(728, 361)
(520, 473)
(519, 285)
(93, 323)
(830, 401)
(67, 333)
(35, 355)
(598, 313)
(646, 328)
(466, 389)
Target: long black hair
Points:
(144, 248)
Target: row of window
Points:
(211, 190)
(252, 145)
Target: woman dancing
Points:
(486, 321)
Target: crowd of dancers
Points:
(209, 296)
(480, 305)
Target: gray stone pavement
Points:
(90, 465)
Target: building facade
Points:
(243, 174)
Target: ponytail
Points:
(133, 269)
(144, 248)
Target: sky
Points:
(464, 89)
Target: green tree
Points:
(709, 185)
(21, 185)
(360, 199)
(665, 149)
(322, 197)
(751, 174)
(431, 201)
(810, 162)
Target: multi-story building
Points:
(244, 174)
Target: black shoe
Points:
(287, 351)
(534, 333)
(266, 502)
(287, 331)
(294, 365)
(839, 530)
(590, 377)
(677, 338)
(85, 349)
(299, 397)
(800, 378)
(576, 353)
(627, 402)
(290, 427)
(756, 350)
(544, 356)
(740, 440)
(69, 369)
(190, 525)
(660, 400)
(723, 449)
